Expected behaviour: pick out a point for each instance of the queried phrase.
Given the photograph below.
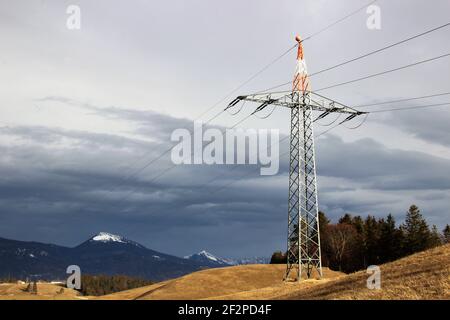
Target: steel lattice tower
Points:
(303, 236)
(303, 241)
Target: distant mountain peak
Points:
(103, 253)
(108, 237)
(206, 257)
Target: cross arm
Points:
(291, 99)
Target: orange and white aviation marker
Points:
(301, 80)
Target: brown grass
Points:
(221, 283)
(45, 291)
(424, 275)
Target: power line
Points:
(378, 74)
(402, 100)
(319, 72)
(389, 110)
(264, 69)
(332, 122)
(283, 154)
(363, 78)
(242, 85)
(365, 55)
(337, 125)
(265, 116)
(166, 151)
(357, 126)
(245, 83)
(412, 107)
(384, 72)
(146, 165)
(342, 123)
(235, 167)
(154, 178)
(281, 56)
(328, 130)
(380, 50)
(339, 21)
(242, 177)
(252, 172)
(314, 35)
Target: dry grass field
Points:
(424, 275)
(45, 291)
(240, 282)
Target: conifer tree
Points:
(416, 230)
(278, 258)
(391, 239)
(371, 238)
(435, 237)
(358, 223)
(347, 218)
(446, 233)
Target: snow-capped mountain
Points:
(211, 260)
(251, 260)
(104, 253)
(208, 259)
(105, 237)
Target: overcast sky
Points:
(82, 110)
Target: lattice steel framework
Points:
(303, 238)
(303, 241)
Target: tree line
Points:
(99, 285)
(354, 243)
(93, 285)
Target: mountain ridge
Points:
(103, 253)
(203, 254)
(205, 257)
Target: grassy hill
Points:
(218, 282)
(45, 291)
(424, 275)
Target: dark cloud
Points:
(154, 125)
(66, 185)
(377, 167)
(431, 125)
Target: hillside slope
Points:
(45, 291)
(218, 282)
(103, 253)
(424, 275)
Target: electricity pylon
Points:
(303, 237)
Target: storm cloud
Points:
(75, 182)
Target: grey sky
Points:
(81, 109)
